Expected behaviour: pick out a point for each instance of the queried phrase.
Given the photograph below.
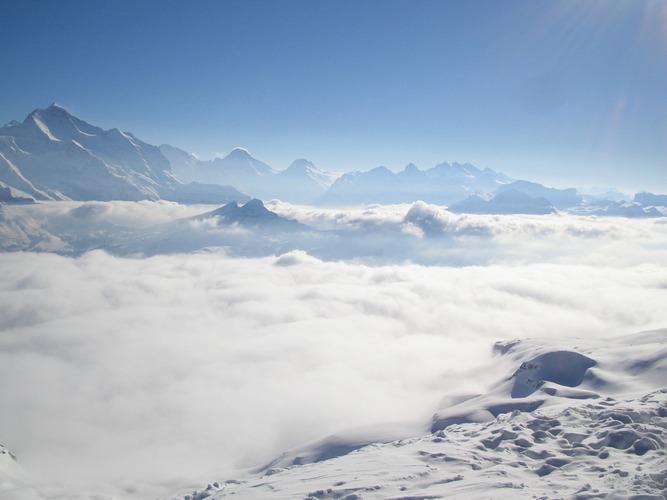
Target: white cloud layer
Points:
(117, 372)
(390, 234)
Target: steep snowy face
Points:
(238, 169)
(62, 125)
(564, 368)
(64, 157)
(48, 129)
(53, 155)
(301, 182)
(300, 166)
(183, 164)
(240, 162)
(240, 154)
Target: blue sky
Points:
(564, 92)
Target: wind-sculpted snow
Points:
(598, 446)
(610, 448)
(561, 367)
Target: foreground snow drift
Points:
(580, 443)
(604, 449)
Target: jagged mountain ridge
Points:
(443, 184)
(52, 155)
(301, 182)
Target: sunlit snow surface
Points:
(383, 352)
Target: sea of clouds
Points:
(135, 376)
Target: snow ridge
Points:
(53, 155)
(607, 449)
(580, 443)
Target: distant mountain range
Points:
(52, 155)
(443, 184)
(301, 182)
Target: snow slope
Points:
(608, 449)
(564, 424)
(53, 155)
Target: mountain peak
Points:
(255, 205)
(54, 109)
(300, 165)
(56, 106)
(253, 210)
(239, 162)
(240, 153)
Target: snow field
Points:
(604, 449)
(579, 444)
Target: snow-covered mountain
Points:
(519, 197)
(443, 184)
(238, 168)
(252, 214)
(560, 198)
(650, 199)
(524, 197)
(52, 155)
(301, 182)
(643, 205)
(183, 164)
(12, 195)
(249, 229)
(509, 201)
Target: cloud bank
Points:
(137, 376)
(376, 235)
(228, 344)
